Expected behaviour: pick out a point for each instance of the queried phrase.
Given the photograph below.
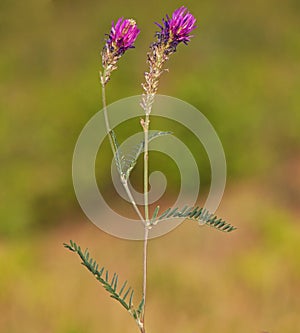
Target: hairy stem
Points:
(156, 59)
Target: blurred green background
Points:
(242, 70)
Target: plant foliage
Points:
(124, 294)
(126, 163)
(201, 215)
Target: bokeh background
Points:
(242, 70)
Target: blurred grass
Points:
(242, 71)
(200, 280)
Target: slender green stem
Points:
(146, 168)
(125, 184)
(146, 206)
(145, 272)
(108, 129)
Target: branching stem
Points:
(127, 189)
(108, 130)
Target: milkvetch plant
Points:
(173, 31)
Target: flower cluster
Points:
(173, 31)
(121, 38)
(176, 29)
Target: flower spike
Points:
(176, 29)
(172, 32)
(121, 38)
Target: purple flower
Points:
(122, 36)
(177, 28)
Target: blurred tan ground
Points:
(200, 280)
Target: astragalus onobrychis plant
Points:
(173, 31)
